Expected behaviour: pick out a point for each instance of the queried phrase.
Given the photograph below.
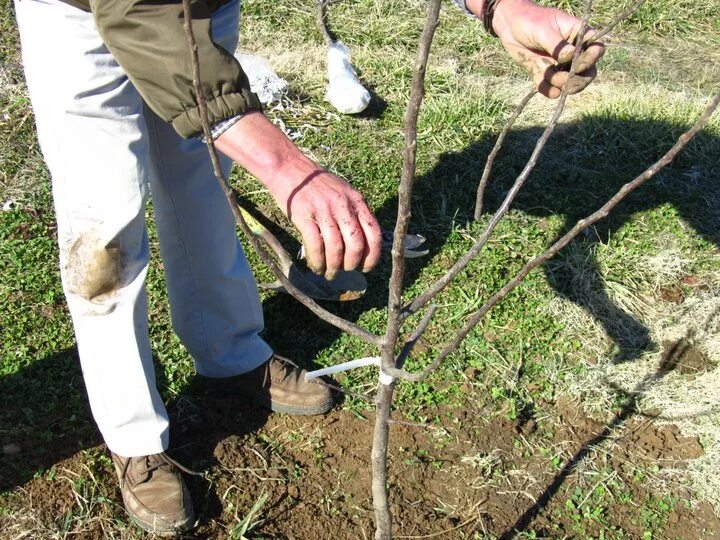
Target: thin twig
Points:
(441, 533)
(581, 225)
(331, 318)
(597, 36)
(496, 149)
(415, 336)
(322, 22)
(411, 424)
(441, 283)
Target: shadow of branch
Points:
(628, 409)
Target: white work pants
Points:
(105, 149)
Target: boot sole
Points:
(286, 408)
(164, 533)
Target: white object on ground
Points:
(344, 90)
(352, 364)
(268, 86)
(10, 204)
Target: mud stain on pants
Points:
(93, 267)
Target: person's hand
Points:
(338, 229)
(542, 40)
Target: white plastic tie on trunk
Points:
(352, 364)
(344, 90)
(268, 86)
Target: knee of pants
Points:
(92, 267)
(98, 271)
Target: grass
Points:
(595, 315)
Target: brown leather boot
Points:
(280, 385)
(154, 493)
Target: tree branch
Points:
(384, 396)
(408, 174)
(617, 20)
(322, 23)
(496, 149)
(581, 225)
(441, 283)
(521, 106)
(331, 318)
(415, 336)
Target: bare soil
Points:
(477, 472)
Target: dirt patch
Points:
(640, 438)
(476, 472)
(685, 357)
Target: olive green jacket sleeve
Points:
(148, 40)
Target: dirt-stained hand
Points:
(338, 229)
(542, 41)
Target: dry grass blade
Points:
(443, 533)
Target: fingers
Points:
(333, 240)
(554, 46)
(373, 238)
(314, 245)
(551, 80)
(359, 242)
(581, 80)
(353, 239)
(563, 51)
(339, 230)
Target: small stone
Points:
(11, 449)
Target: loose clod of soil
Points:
(476, 474)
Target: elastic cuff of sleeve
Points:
(463, 6)
(220, 109)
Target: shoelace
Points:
(156, 461)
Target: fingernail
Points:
(315, 269)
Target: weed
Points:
(250, 522)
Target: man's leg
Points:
(216, 309)
(94, 138)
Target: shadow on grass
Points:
(627, 410)
(43, 407)
(584, 164)
(45, 418)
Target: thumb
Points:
(558, 35)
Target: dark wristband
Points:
(487, 16)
